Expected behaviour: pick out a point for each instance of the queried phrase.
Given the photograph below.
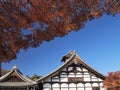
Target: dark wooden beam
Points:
(0, 70)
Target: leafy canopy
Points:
(112, 81)
(27, 23)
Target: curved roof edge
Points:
(73, 54)
(59, 68)
(20, 75)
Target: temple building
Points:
(74, 74)
(15, 80)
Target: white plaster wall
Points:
(71, 75)
(46, 88)
(80, 89)
(87, 79)
(80, 85)
(70, 68)
(65, 75)
(55, 85)
(95, 85)
(47, 85)
(72, 85)
(55, 80)
(56, 89)
(86, 75)
(95, 79)
(64, 88)
(87, 85)
(79, 75)
(56, 77)
(88, 88)
(78, 68)
(100, 79)
(84, 69)
(72, 88)
(64, 79)
(64, 85)
(101, 84)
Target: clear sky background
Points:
(98, 44)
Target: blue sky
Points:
(98, 44)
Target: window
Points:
(95, 88)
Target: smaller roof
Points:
(23, 80)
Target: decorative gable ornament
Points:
(74, 74)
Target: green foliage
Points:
(34, 77)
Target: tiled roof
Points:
(70, 59)
(25, 80)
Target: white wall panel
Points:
(64, 85)
(95, 79)
(80, 89)
(56, 77)
(56, 88)
(86, 75)
(70, 68)
(78, 75)
(72, 85)
(64, 88)
(100, 79)
(87, 85)
(47, 85)
(55, 85)
(87, 79)
(84, 69)
(101, 84)
(55, 80)
(71, 75)
(72, 88)
(88, 88)
(78, 68)
(46, 88)
(65, 75)
(95, 85)
(64, 79)
(80, 85)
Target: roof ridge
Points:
(89, 65)
(57, 68)
(20, 75)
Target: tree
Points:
(34, 77)
(3, 72)
(27, 23)
(112, 81)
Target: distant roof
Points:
(71, 57)
(25, 80)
